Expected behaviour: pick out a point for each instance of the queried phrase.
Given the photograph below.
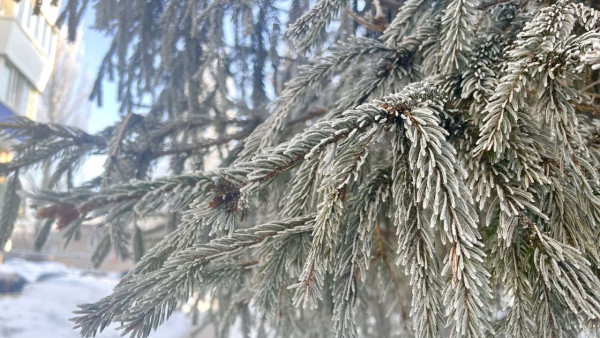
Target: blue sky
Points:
(95, 45)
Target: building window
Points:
(45, 32)
(36, 26)
(50, 42)
(32, 104)
(15, 90)
(39, 24)
(33, 25)
(21, 10)
(28, 18)
(48, 34)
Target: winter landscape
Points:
(300, 168)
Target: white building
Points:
(27, 47)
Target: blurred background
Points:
(47, 79)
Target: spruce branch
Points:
(11, 202)
(309, 77)
(279, 260)
(416, 249)
(152, 299)
(138, 244)
(404, 21)
(41, 235)
(264, 167)
(20, 127)
(298, 199)
(374, 26)
(588, 17)
(457, 23)
(353, 258)
(382, 253)
(566, 273)
(510, 264)
(120, 202)
(100, 253)
(205, 144)
(329, 218)
(550, 27)
(434, 169)
(111, 166)
(307, 29)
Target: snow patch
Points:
(44, 307)
(31, 271)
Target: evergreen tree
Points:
(425, 167)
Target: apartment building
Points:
(27, 47)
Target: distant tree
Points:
(429, 168)
(65, 101)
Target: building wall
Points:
(27, 47)
(16, 92)
(78, 253)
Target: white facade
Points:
(27, 47)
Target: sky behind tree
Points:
(95, 45)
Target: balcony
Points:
(28, 41)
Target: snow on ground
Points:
(53, 291)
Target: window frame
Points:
(18, 93)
